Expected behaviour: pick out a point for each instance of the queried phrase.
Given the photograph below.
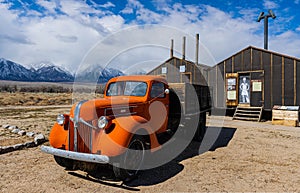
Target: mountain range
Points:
(48, 72)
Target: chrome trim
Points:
(118, 108)
(123, 107)
(86, 157)
(71, 119)
(91, 141)
(76, 120)
(125, 114)
(87, 124)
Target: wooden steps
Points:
(248, 113)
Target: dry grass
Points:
(42, 99)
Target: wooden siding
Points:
(195, 74)
(280, 76)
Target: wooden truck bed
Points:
(188, 97)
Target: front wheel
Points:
(132, 160)
(68, 164)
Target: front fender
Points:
(58, 136)
(115, 142)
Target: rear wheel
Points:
(132, 160)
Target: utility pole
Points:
(266, 17)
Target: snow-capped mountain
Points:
(44, 72)
(98, 74)
(12, 71)
(36, 66)
(48, 72)
(138, 72)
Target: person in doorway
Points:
(245, 91)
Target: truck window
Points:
(135, 89)
(127, 88)
(115, 89)
(158, 90)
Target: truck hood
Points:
(92, 109)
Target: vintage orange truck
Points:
(136, 116)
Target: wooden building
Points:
(177, 70)
(180, 70)
(256, 77)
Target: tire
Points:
(131, 161)
(68, 164)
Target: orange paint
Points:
(127, 116)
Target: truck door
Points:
(158, 107)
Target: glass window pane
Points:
(158, 90)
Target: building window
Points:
(182, 69)
(164, 70)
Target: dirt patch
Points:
(8, 138)
(12, 141)
(245, 156)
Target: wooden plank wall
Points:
(197, 74)
(267, 67)
(281, 80)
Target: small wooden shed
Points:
(256, 77)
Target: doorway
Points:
(244, 89)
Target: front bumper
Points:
(86, 157)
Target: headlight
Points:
(60, 119)
(102, 122)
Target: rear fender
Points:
(115, 142)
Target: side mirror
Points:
(167, 91)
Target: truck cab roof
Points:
(145, 78)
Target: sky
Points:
(136, 34)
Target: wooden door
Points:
(244, 89)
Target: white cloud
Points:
(50, 6)
(65, 39)
(297, 2)
(76, 8)
(108, 5)
(60, 39)
(160, 4)
(148, 16)
(131, 6)
(290, 40)
(112, 23)
(269, 4)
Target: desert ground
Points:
(244, 157)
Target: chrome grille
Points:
(84, 138)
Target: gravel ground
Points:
(245, 157)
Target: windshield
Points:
(127, 88)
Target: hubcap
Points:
(134, 157)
